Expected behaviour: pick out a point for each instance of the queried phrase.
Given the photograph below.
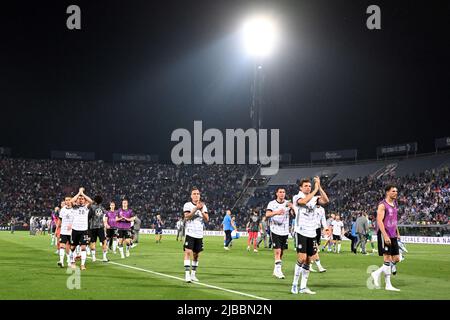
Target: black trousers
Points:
(227, 237)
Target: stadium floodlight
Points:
(260, 36)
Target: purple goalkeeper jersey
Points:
(111, 216)
(390, 219)
(124, 224)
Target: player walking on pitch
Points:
(123, 222)
(80, 223)
(97, 227)
(195, 213)
(388, 237)
(321, 223)
(111, 226)
(279, 212)
(305, 230)
(65, 226)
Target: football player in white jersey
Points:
(279, 211)
(305, 230)
(80, 224)
(65, 225)
(195, 213)
(338, 232)
(321, 223)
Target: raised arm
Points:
(74, 199)
(89, 200)
(323, 196)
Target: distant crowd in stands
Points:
(34, 187)
(423, 199)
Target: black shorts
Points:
(158, 231)
(279, 242)
(337, 238)
(53, 229)
(79, 238)
(64, 238)
(194, 244)
(111, 233)
(97, 233)
(305, 245)
(392, 249)
(124, 234)
(318, 235)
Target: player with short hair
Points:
(279, 212)
(305, 230)
(54, 217)
(195, 213)
(329, 233)
(180, 228)
(371, 232)
(253, 227)
(97, 227)
(64, 225)
(111, 226)
(388, 236)
(338, 231)
(80, 225)
(158, 225)
(123, 222)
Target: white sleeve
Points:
(204, 209)
(186, 207)
(270, 206)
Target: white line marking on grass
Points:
(178, 278)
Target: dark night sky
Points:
(139, 69)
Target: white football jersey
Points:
(337, 227)
(66, 216)
(305, 219)
(279, 224)
(194, 226)
(80, 218)
(320, 216)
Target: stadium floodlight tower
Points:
(260, 37)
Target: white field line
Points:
(181, 279)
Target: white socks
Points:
(121, 251)
(318, 264)
(194, 267)
(277, 265)
(62, 252)
(387, 274)
(297, 273)
(83, 257)
(114, 245)
(339, 248)
(305, 275)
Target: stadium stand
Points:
(34, 187)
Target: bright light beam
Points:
(260, 36)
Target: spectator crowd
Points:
(35, 187)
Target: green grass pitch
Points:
(29, 271)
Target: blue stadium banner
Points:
(121, 157)
(5, 151)
(442, 143)
(73, 155)
(334, 155)
(398, 149)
